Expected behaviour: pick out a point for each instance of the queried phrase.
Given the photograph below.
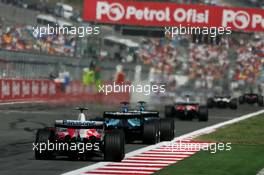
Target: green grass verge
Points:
(241, 160)
(250, 131)
(245, 158)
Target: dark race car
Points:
(187, 110)
(79, 139)
(251, 98)
(139, 124)
(167, 127)
(222, 102)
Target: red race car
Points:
(79, 139)
(251, 98)
(187, 110)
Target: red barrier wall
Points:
(47, 90)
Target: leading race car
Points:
(187, 110)
(251, 98)
(139, 124)
(79, 139)
(223, 101)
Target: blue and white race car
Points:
(140, 124)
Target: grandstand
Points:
(236, 62)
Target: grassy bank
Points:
(245, 158)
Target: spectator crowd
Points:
(21, 38)
(238, 59)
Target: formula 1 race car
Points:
(222, 102)
(79, 139)
(187, 110)
(139, 124)
(251, 98)
(167, 126)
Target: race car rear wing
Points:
(150, 113)
(122, 115)
(185, 104)
(130, 114)
(76, 124)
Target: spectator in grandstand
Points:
(207, 65)
(21, 38)
(88, 76)
(120, 76)
(248, 63)
(63, 81)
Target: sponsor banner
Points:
(36, 88)
(16, 88)
(44, 88)
(75, 88)
(171, 14)
(6, 89)
(26, 90)
(53, 89)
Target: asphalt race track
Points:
(18, 126)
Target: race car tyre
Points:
(233, 104)
(73, 155)
(203, 114)
(260, 100)
(157, 122)
(210, 103)
(114, 146)
(44, 136)
(241, 100)
(167, 129)
(151, 133)
(168, 111)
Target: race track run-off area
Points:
(146, 162)
(19, 124)
(151, 159)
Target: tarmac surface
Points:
(18, 125)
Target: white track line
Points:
(125, 172)
(144, 161)
(137, 164)
(163, 156)
(166, 153)
(128, 168)
(155, 158)
(158, 147)
(21, 102)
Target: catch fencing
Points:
(28, 77)
(24, 65)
